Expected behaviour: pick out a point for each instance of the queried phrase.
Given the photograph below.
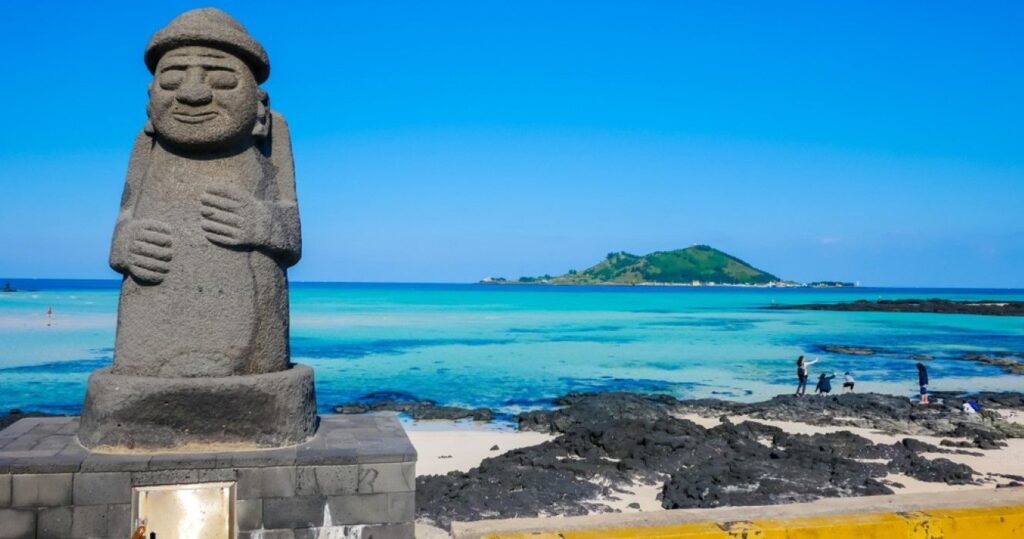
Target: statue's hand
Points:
(232, 217)
(149, 251)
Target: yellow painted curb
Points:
(979, 523)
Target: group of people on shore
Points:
(824, 386)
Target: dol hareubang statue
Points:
(208, 221)
(207, 229)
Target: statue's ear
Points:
(262, 127)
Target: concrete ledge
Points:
(48, 445)
(965, 514)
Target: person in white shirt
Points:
(848, 383)
(801, 375)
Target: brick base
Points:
(357, 476)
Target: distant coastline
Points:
(695, 284)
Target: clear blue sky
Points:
(448, 141)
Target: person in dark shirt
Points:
(824, 384)
(922, 380)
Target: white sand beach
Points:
(443, 449)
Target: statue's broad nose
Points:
(194, 93)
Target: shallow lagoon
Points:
(514, 347)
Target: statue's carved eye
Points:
(171, 79)
(222, 80)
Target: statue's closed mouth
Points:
(194, 117)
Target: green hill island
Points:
(699, 265)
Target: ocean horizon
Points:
(513, 348)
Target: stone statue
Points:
(207, 229)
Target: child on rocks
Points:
(848, 382)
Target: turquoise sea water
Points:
(515, 347)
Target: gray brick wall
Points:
(17, 524)
(5, 490)
(41, 490)
(359, 472)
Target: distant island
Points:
(699, 265)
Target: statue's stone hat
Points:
(209, 27)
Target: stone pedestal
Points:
(147, 412)
(356, 478)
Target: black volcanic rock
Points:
(887, 413)
(1010, 362)
(933, 471)
(417, 409)
(934, 305)
(987, 399)
(591, 409)
(850, 350)
(608, 442)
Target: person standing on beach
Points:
(922, 380)
(801, 375)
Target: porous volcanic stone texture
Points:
(141, 412)
(207, 229)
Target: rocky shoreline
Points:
(703, 453)
(934, 305)
(607, 443)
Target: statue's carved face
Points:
(202, 99)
